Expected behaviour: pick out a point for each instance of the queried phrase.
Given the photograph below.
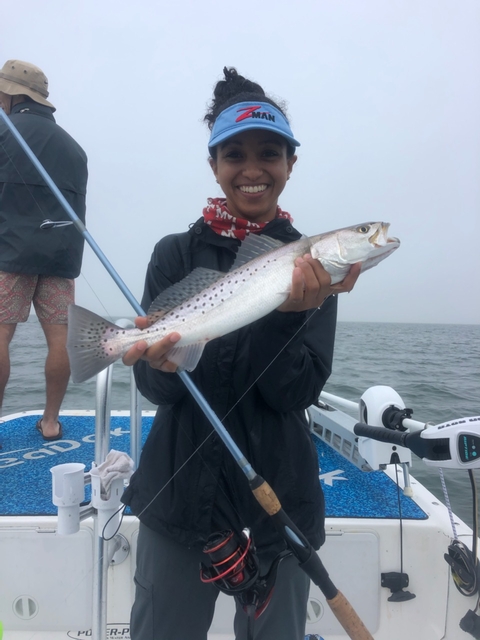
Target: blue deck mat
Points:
(351, 493)
(26, 481)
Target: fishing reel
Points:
(235, 570)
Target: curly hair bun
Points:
(234, 88)
(235, 84)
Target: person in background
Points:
(259, 380)
(38, 265)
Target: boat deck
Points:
(26, 459)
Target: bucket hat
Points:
(24, 78)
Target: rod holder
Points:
(68, 491)
(107, 506)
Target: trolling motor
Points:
(452, 445)
(235, 570)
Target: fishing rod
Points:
(306, 555)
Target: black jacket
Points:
(259, 380)
(25, 199)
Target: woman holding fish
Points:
(258, 379)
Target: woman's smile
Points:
(252, 169)
(260, 188)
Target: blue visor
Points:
(250, 115)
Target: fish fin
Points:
(187, 357)
(196, 281)
(88, 346)
(254, 246)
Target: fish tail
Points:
(92, 343)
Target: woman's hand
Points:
(311, 284)
(154, 355)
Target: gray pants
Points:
(168, 576)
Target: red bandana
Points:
(222, 222)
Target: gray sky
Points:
(384, 97)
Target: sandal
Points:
(59, 435)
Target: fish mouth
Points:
(388, 241)
(380, 238)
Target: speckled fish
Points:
(208, 304)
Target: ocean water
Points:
(434, 368)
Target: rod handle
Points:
(265, 495)
(348, 618)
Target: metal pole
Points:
(102, 414)
(135, 422)
(414, 425)
(100, 555)
(135, 407)
(100, 584)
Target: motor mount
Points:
(381, 406)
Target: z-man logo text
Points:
(252, 112)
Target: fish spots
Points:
(91, 335)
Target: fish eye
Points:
(363, 229)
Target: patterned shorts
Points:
(50, 296)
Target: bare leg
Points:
(6, 335)
(57, 374)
